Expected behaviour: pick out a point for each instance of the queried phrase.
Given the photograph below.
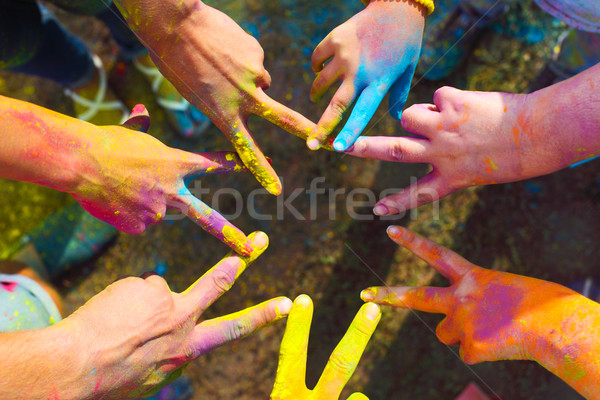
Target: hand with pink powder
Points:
(496, 315)
(120, 175)
(481, 138)
(133, 338)
(374, 52)
(218, 68)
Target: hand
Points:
(134, 178)
(492, 315)
(218, 68)
(290, 383)
(136, 336)
(469, 138)
(373, 52)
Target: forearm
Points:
(41, 364)
(566, 118)
(41, 146)
(156, 22)
(566, 341)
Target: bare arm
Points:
(120, 175)
(41, 364)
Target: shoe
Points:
(99, 110)
(450, 35)
(67, 238)
(184, 117)
(181, 389)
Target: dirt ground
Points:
(545, 227)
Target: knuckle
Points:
(396, 152)
(342, 362)
(239, 329)
(222, 280)
(338, 107)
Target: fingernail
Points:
(367, 295)
(259, 239)
(349, 149)
(338, 145)
(313, 144)
(303, 300)
(393, 230)
(380, 209)
(283, 307)
(372, 311)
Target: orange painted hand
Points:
(218, 68)
(496, 315)
(131, 178)
(290, 383)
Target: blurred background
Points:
(547, 228)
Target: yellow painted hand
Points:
(290, 383)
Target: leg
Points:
(27, 301)
(20, 32)
(575, 51)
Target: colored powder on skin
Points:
(235, 238)
(465, 118)
(496, 311)
(573, 371)
(492, 166)
(246, 153)
(516, 134)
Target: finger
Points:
(345, 357)
(291, 370)
(445, 261)
(214, 223)
(334, 113)
(447, 332)
(399, 92)
(138, 120)
(213, 333)
(324, 51)
(427, 299)
(357, 396)
(363, 111)
(426, 190)
(385, 148)
(210, 163)
(422, 119)
(253, 157)
(286, 118)
(325, 79)
(220, 278)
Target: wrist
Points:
(158, 22)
